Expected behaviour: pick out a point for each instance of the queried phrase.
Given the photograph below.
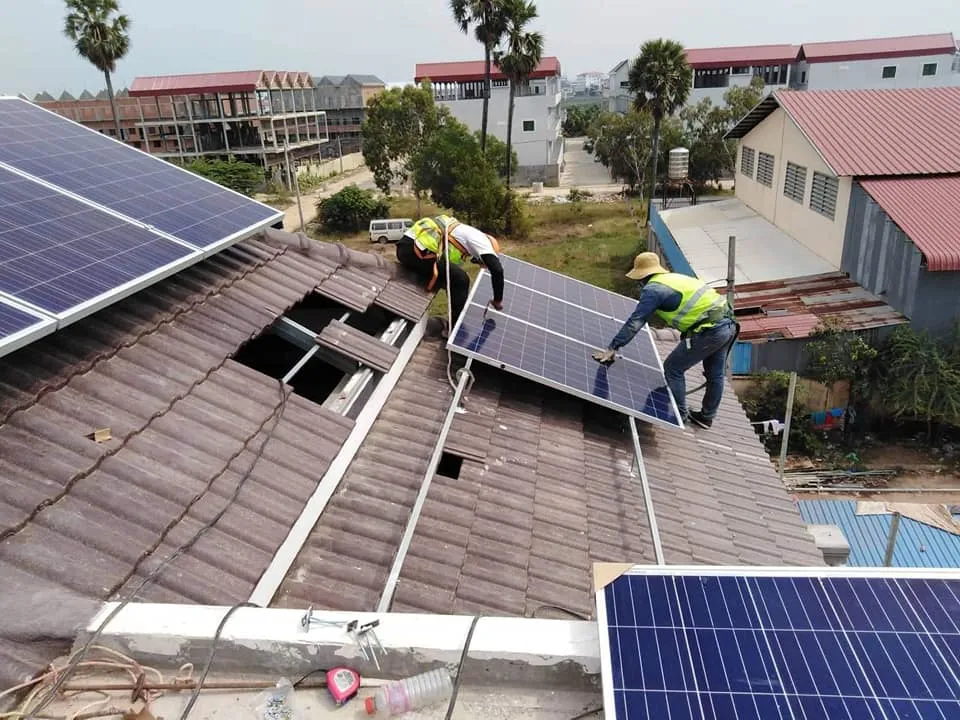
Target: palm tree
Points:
(520, 58)
(660, 77)
(486, 18)
(99, 34)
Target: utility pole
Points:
(295, 181)
(340, 152)
(731, 269)
(892, 539)
(786, 425)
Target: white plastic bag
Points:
(277, 703)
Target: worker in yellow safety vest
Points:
(422, 249)
(704, 320)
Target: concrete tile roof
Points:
(187, 422)
(553, 493)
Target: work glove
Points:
(605, 357)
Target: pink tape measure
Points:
(343, 683)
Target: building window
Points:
(795, 182)
(889, 72)
(529, 125)
(742, 70)
(498, 83)
(803, 77)
(747, 157)
(823, 195)
(625, 84)
(929, 69)
(765, 169)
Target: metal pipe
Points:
(871, 491)
(292, 173)
(892, 539)
(386, 600)
(647, 499)
(786, 423)
(731, 268)
(185, 685)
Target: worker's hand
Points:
(605, 357)
(496, 304)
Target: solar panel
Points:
(549, 338)
(19, 326)
(124, 179)
(62, 256)
(786, 644)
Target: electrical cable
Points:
(571, 613)
(213, 651)
(588, 713)
(446, 267)
(463, 659)
(276, 415)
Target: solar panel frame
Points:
(785, 708)
(116, 293)
(207, 249)
(482, 277)
(17, 334)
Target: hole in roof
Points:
(450, 466)
(748, 311)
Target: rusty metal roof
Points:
(186, 423)
(552, 493)
(795, 307)
(471, 70)
(927, 210)
(872, 132)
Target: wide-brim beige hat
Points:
(645, 265)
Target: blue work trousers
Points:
(709, 347)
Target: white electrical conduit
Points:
(386, 600)
(647, 499)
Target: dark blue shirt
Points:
(655, 296)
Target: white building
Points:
(537, 116)
(881, 63)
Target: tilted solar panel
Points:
(18, 326)
(124, 179)
(61, 255)
(549, 339)
(786, 644)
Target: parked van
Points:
(384, 231)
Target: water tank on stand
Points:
(678, 165)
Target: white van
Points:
(384, 231)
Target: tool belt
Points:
(709, 320)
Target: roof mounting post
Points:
(647, 499)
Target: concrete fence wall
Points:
(325, 168)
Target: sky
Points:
(388, 37)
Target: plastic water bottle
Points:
(412, 693)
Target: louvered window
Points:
(823, 195)
(765, 169)
(747, 159)
(795, 182)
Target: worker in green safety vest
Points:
(704, 320)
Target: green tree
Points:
(917, 377)
(351, 210)
(579, 119)
(487, 19)
(497, 154)
(703, 128)
(738, 101)
(399, 123)
(622, 144)
(520, 58)
(660, 77)
(766, 399)
(836, 355)
(237, 175)
(100, 34)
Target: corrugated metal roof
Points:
(239, 81)
(795, 307)
(876, 48)
(927, 209)
(717, 57)
(186, 424)
(552, 493)
(880, 132)
(472, 70)
(918, 544)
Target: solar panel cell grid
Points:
(14, 320)
(125, 180)
(783, 647)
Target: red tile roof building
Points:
(474, 70)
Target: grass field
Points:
(593, 242)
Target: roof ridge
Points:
(85, 367)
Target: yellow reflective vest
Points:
(428, 236)
(698, 302)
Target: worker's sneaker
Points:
(697, 418)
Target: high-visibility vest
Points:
(700, 305)
(428, 236)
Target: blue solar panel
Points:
(550, 340)
(14, 321)
(714, 645)
(119, 177)
(58, 254)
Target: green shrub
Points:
(766, 399)
(237, 175)
(351, 210)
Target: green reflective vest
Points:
(428, 236)
(698, 302)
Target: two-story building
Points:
(537, 117)
(879, 63)
(344, 99)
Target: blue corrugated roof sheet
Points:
(918, 545)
